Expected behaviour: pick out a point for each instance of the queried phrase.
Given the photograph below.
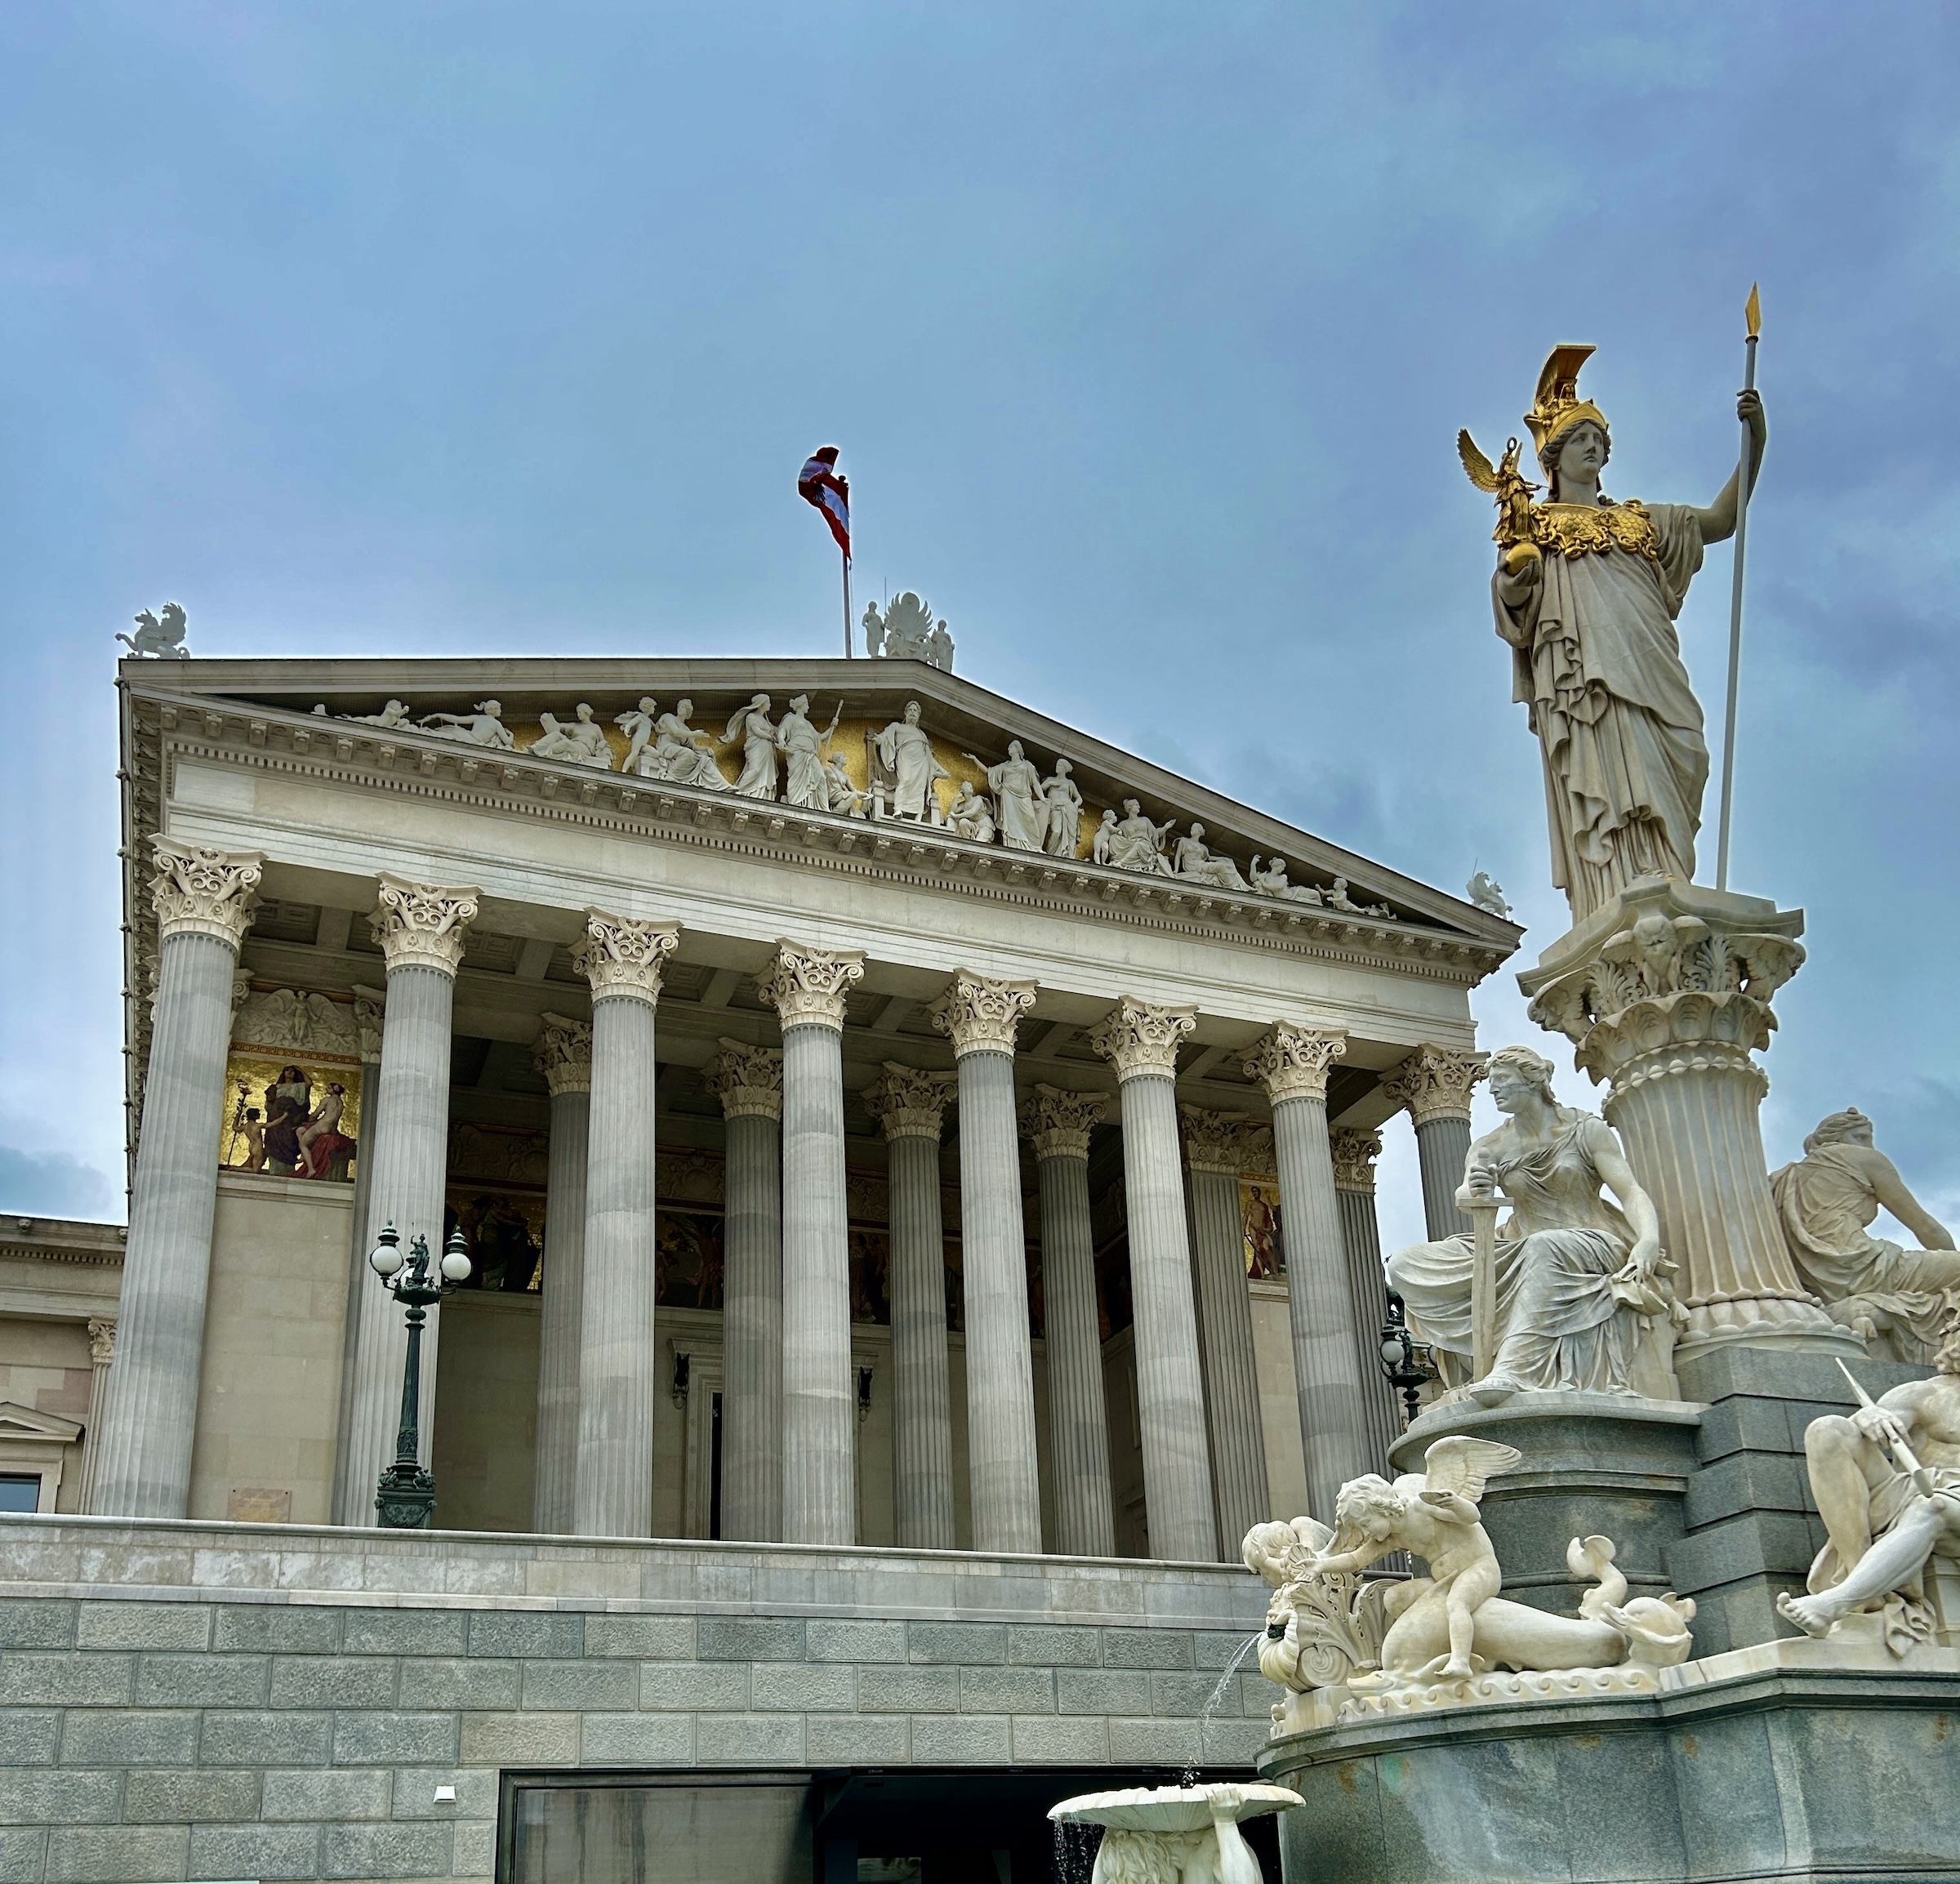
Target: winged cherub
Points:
(1513, 493)
(1434, 1517)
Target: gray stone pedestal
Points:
(1609, 1464)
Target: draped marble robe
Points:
(1597, 662)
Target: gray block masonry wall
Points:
(222, 1701)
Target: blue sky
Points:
(1146, 330)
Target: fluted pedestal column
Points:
(618, 1369)
(1665, 994)
(1434, 1085)
(204, 901)
(101, 1357)
(1141, 1042)
(1214, 1155)
(352, 1492)
(1291, 1063)
(979, 1016)
(564, 1055)
(748, 1080)
(807, 987)
(1353, 1154)
(420, 927)
(1057, 1125)
(910, 1105)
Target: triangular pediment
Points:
(18, 1422)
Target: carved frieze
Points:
(497, 1156)
(199, 891)
(297, 1021)
(1292, 1063)
(808, 987)
(421, 924)
(748, 1080)
(1058, 1123)
(1140, 1040)
(979, 1015)
(911, 1102)
(1435, 1083)
(564, 1055)
(621, 957)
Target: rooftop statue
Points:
(1586, 592)
(683, 754)
(1271, 879)
(1902, 1300)
(905, 752)
(1016, 783)
(1064, 801)
(482, 725)
(1137, 843)
(1484, 893)
(805, 784)
(579, 741)
(906, 631)
(1196, 860)
(160, 640)
(752, 726)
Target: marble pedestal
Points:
(1800, 1761)
(1594, 1462)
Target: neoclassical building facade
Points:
(875, 1113)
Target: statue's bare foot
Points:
(1445, 1668)
(1812, 1615)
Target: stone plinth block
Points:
(1665, 993)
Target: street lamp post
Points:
(405, 1498)
(1406, 1364)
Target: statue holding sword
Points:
(1887, 1480)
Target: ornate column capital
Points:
(102, 1340)
(1292, 1063)
(1138, 1040)
(621, 957)
(370, 1019)
(564, 1055)
(421, 924)
(1435, 1082)
(978, 1016)
(198, 891)
(1214, 1141)
(748, 1080)
(909, 1103)
(1057, 1123)
(807, 987)
(1355, 1153)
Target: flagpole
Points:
(847, 605)
(1753, 315)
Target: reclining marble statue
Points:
(1582, 1298)
(1886, 1481)
(1900, 1300)
(1325, 1627)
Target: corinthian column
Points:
(1433, 1084)
(1291, 1063)
(910, 1105)
(617, 1368)
(748, 1080)
(1057, 1125)
(1665, 993)
(807, 987)
(1215, 1153)
(204, 901)
(1142, 1042)
(978, 1016)
(564, 1055)
(420, 927)
(353, 1491)
(101, 1357)
(1354, 1153)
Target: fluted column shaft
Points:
(1059, 1124)
(618, 1368)
(1142, 1042)
(1292, 1063)
(1354, 1153)
(101, 1357)
(922, 1413)
(352, 1490)
(1232, 1385)
(979, 1015)
(749, 1080)
(204, 901)
(565, 1056)
(1442, 1149)
(807, 987)
(1434, 1084)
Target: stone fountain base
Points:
(1796, 1760)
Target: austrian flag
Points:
(820, 482)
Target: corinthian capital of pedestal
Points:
(198, 891)
(978, 1016)
(102, 1340)
(370, 1022)
(1140, 1041)
(1292, 1063)
(1058, 1123)
(748, 1080)
(909, 1103)
(421, 924)
(1214, 1141)
(1354, 1153)
(564, 1055)
(1435, 1083)
(621, 957)
(807, 987)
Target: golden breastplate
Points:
(1589, 529)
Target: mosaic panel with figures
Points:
(291, 1115)
(1265, 1234)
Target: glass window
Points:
(20, 1492)
(661, 1834)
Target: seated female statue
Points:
(1579, 1281)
